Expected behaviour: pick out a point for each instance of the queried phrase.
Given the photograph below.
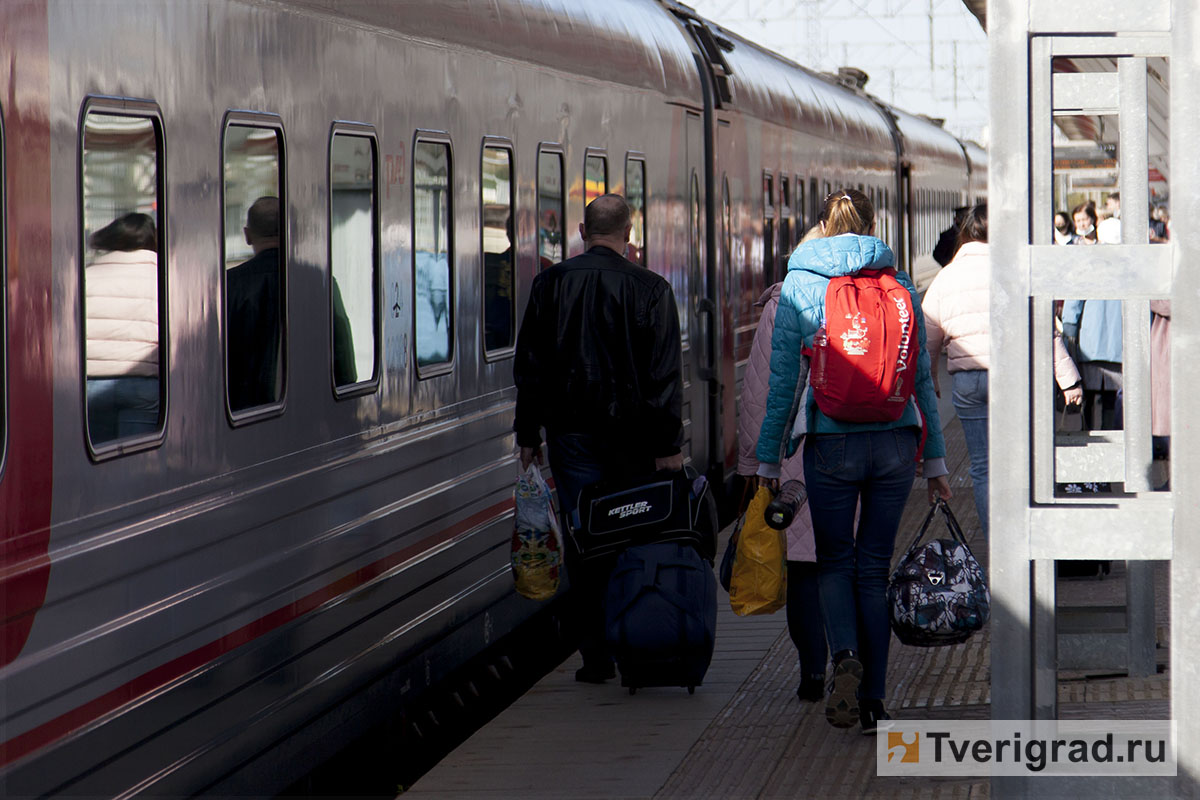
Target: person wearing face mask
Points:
(1084, 215)
(1063, 232)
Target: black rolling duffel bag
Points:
(660, 615)
(661, 507)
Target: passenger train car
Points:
(207, 591)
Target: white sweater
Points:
(957, 311)
(121, 295)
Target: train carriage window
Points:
(595, 177)
(785, 221)
(550, 208)
(123, 284)
(635, 195)
(497, 190)
(353, 258)
(433, 300)
(768, 233)
(255, 266)
(799, 210)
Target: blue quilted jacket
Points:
(801, 312)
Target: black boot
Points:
(873, 717)
(812, 687)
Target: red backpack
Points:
(864, 358)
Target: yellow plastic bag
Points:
(759, 582)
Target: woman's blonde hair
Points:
(847, 211)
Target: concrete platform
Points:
(744, 734)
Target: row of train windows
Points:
(797, 213)
(935, 212)
(123, 206)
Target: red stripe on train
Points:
(48, 732)
(25, 484)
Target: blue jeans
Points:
(971, 404)
(121, 406)
(577, 460)
(876, 468)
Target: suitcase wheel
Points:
(633, 690)
(691, 690)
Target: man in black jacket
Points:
(598, 364)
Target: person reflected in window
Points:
(121, 303)
(345, 370)
(253, 312)
(1084, 215)
(1064, 232)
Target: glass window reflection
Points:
(635, 195)
(254, 266)
(122, 283)
(353, 259)
(432, 252)
(551, 236)
(497, 190)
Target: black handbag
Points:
(938, 595)
(725, 573)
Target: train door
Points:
(698, 365)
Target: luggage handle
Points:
(951, 524)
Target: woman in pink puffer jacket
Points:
(803, 597)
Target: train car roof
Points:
(926, 142)
(769, 86)
(630, 42)
(976, 157)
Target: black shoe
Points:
(841, 709)
(874, 717)
(812, 688)
(590, 673)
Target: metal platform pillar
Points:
(1032, 524)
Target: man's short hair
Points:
(607, 215)
(263, 218)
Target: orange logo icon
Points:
(904, 747)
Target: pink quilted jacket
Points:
(752, 406)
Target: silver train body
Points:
(215, 606)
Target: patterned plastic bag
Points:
(536, 540)
(758, 584)
(938, 595)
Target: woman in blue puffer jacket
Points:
(849, 462)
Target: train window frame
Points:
(506, 352)
(271, 121)
(145, 109)
(438, 368)
(769, 231)
(600, 155)
(361, 130)
(785, 217)
(800, 209)
(550, 149)
(637, 157)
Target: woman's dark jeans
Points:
(876, 468)
(804, 617)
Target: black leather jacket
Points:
(599, 352)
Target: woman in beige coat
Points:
(958, 317)
(121, 309)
